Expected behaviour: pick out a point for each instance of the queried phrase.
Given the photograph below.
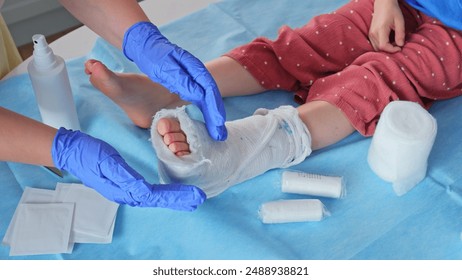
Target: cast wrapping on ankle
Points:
(268, 139)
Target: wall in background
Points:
(28, 17)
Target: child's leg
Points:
(299, 56)
(136, 94)
(325, 122)
(428, 68)
(141, 98)
(292, 63)
(269, 139)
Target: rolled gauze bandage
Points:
(401, 145)
(295, 210)
(312, 184)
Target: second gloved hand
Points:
(99, 166)
(177, 70)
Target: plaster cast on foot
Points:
(268, 139)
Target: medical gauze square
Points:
(80, 237)
(94, 215)
(30, 195)
(42, 229)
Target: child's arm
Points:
(387, 18)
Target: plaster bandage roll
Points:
(312, 184)
(294, 210)
(401, 145)
(268, 139)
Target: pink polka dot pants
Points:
(331, 59)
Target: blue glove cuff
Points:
(136, 36)
(68, 147)
(58, 146)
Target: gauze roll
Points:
(268, 139)
(293, 210)
(401, 145)
(312, 184)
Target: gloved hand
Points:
(101, 167)
(177, 70)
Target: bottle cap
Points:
(44, 57)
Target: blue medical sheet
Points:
(370, 222)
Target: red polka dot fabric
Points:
(331, 59)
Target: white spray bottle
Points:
(50, 81)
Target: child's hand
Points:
(387, 18)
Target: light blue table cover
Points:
(371, 222)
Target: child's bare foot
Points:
(136, 94)
(173, 136)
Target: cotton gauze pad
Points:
(295, 210)
(94, 215)
(30, 195)
(42, 229)
(401, 145)
(312, 184)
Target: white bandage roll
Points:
(401, 145)
(295, 210)
(312, 184)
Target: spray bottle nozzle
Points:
(39, 41)
(43, 55)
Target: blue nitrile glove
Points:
(177, 70)
(101, 167)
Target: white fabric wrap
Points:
(401, 145)
(292, 210)
(269, 139)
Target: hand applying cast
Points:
(101, 167)
(387, 18)
(178, 71)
